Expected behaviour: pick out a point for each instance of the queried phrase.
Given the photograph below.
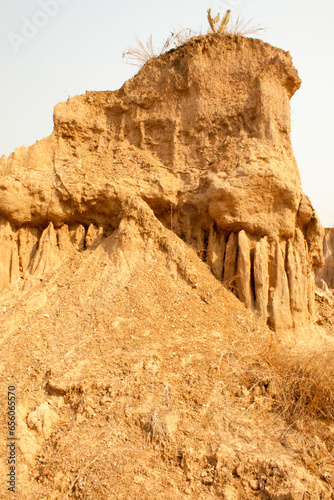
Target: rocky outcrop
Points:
(261, 277)
(274, 277)
(9, 259)
(202, 136)
(244, 270)
(216, 251)
(28, 251)
(231, 256)
(325, 275)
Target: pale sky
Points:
(52, 49)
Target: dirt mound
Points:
(137, 373)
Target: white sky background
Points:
(80, 49)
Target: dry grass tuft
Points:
(241, 27)
(139, 55)
(299, 380)
(305, 381)
(154, 428)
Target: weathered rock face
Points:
(326, 273)
(202, 135)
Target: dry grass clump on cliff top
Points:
(143, 52)
(241, 27)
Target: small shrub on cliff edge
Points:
(139, 55)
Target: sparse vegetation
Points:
(241, 27)
(305, 381)
(154, 428)
(139, 55)
(298, 379)
(143, 52)
(213, 22)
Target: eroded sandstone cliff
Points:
(202, 136)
